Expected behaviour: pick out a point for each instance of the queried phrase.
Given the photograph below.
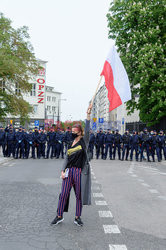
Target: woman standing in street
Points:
(76, 173)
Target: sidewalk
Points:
(4, 159)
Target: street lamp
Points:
(58, 117)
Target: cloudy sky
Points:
(72, 35)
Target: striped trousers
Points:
(73, 179)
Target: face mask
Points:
(74, 135)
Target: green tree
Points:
(138, 27)
(17, 67)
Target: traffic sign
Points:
(94, 119)
(122, 121)
(94, 126)
(36, 123)
(101, 120)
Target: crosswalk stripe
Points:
(111, 229)
(117, 247)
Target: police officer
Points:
(134, 142)
(108, 142)
(60, 138)
(51, 137)
(100, 144)
(162, 144)
(154, 142)
(2, 139)
(36, 144)
(92, 140)
(145, 143)
(10, 138)
(126, 144)
(20, 142)
(29, 137)
(117, 144)
(67, 138)
(41, 140)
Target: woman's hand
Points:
(63, 175)
(89, 111)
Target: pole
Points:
(96, 90)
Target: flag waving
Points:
(116, 80)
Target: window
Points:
(17, 89)
(54, 99)
(48, 98)
(35, 107)
(33, 90)
(53, 108)
(48, 108)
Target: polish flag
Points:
(116, 80)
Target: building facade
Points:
(116, 119)
(44, 100)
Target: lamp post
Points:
(58, 116)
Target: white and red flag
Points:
(116, 80)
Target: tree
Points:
(17, 67)
(138, 28)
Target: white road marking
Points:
(144, 184)
(162, 197)
(101, 203)
(117, 247)
(153, 191)
(111, 229)
(95, 181)
(105, 214)
(98, 195)
(134, 175)
(95, 187)
(141, 180)
(162, 173)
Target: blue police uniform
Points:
(162, 145)
(92, 140)
(67, 139)
(60, 138)
(117, 145)
(126, 145)
(134, 142)
(10, 138)
(108, 141)
(42, 139)
(20, 143)
(51, 137)
(100, 144)
(2, 140)
(36, 144)
(154, 143)
(30, 139)
(145, 144)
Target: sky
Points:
(72, 35)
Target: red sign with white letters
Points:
(41, 85)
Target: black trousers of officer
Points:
(52, 148)
(125, 150)
(32, 147)
(108, 146)
(134, 147)
(2, 144)
(100, 147)
(114, 152)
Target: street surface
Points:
(128, 207)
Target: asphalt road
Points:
(128, 207)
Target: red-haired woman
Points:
(76, 173)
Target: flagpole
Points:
(96, 89)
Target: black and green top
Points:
(75, 155)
